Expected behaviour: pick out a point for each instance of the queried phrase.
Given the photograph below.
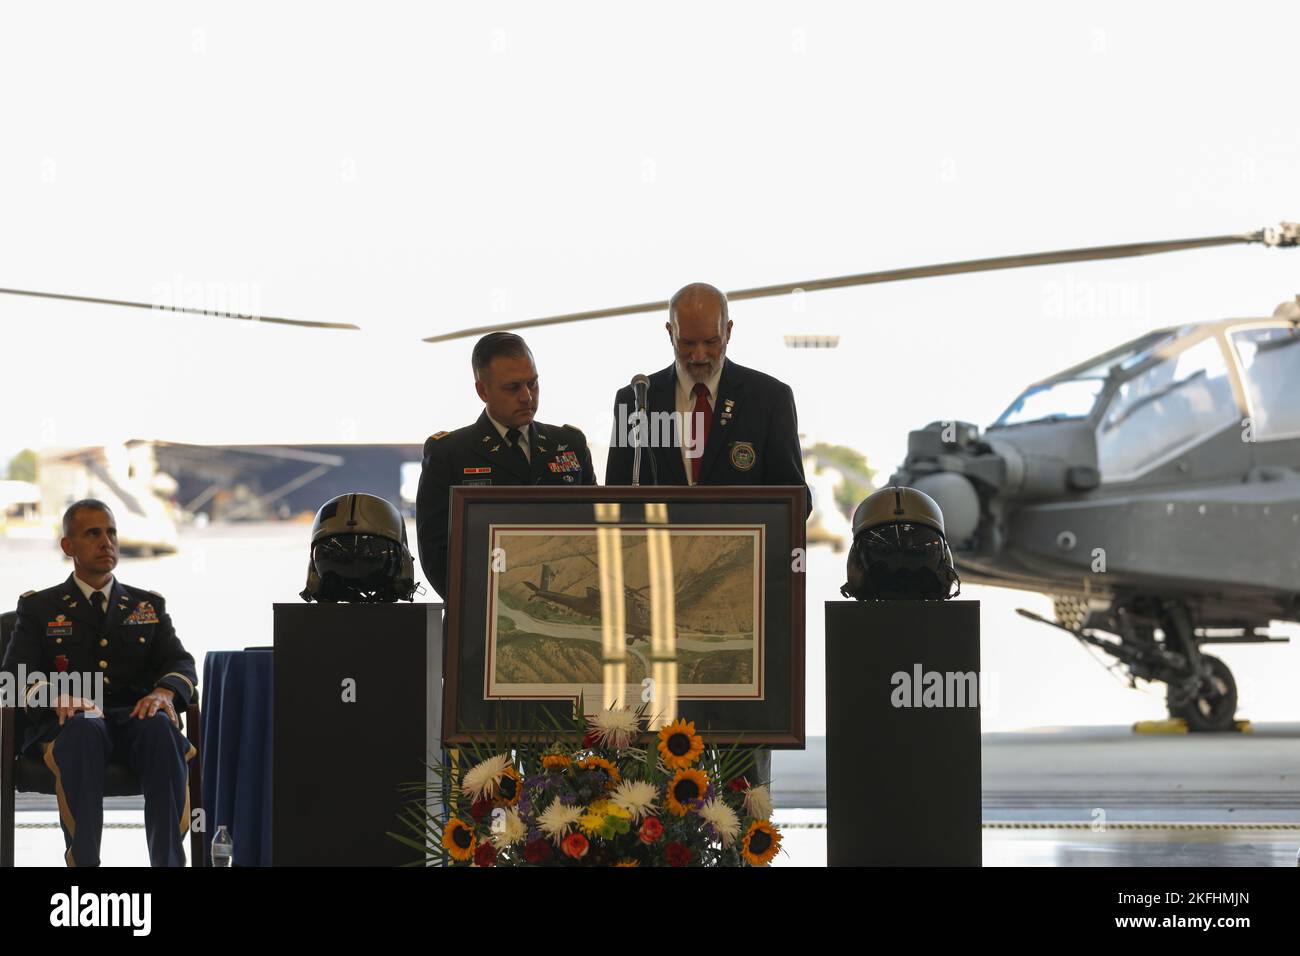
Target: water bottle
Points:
(223, 848)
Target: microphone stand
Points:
(636, 448)
(642, 410)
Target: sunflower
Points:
(458, 840)
(761, 843)
(679, 744)
(559, 762)
(684, 788)
(612, 776)
(508, 788)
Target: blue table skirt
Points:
(237, 728)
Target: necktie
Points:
(703, 408)
(100, 602)
(513, 436)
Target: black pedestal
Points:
(902, 733)
(338, 762)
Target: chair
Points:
(20, 773)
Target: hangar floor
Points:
(1056, 796)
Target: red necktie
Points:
(701, 440)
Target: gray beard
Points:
(703, 374)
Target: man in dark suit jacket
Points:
(105, 675)
(506, 446)
(751, 436)
(739, 426)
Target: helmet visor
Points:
(902, 545)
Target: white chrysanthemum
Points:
(482, 779)
(616, 728)
(758, 802)
(723, 819)
(636, 797)
(557, 820)
(509, 830)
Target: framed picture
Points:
(687, 600)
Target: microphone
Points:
(640, 388)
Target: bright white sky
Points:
(418, 167)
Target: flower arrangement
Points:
(592, 796)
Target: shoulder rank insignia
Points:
(436, 435)
(576, 429)
(27, 594)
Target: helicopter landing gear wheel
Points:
(1214, 706)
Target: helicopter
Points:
(1117, 486)
(636, 616)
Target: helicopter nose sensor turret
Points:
(975, 478)
(957, 499)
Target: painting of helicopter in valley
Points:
(547, 633)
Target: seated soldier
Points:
(112, 678)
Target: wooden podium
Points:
(903, 733)
(358, 693)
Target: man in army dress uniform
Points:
(92, 625)
(506, 446)
(739, 426)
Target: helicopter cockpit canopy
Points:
(1074, 394)
(1155, 397)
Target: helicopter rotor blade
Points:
(94, 300)
(1286, 234)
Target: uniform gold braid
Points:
(188, 683)
(65, 811)
(185, 810)
(27, 698)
